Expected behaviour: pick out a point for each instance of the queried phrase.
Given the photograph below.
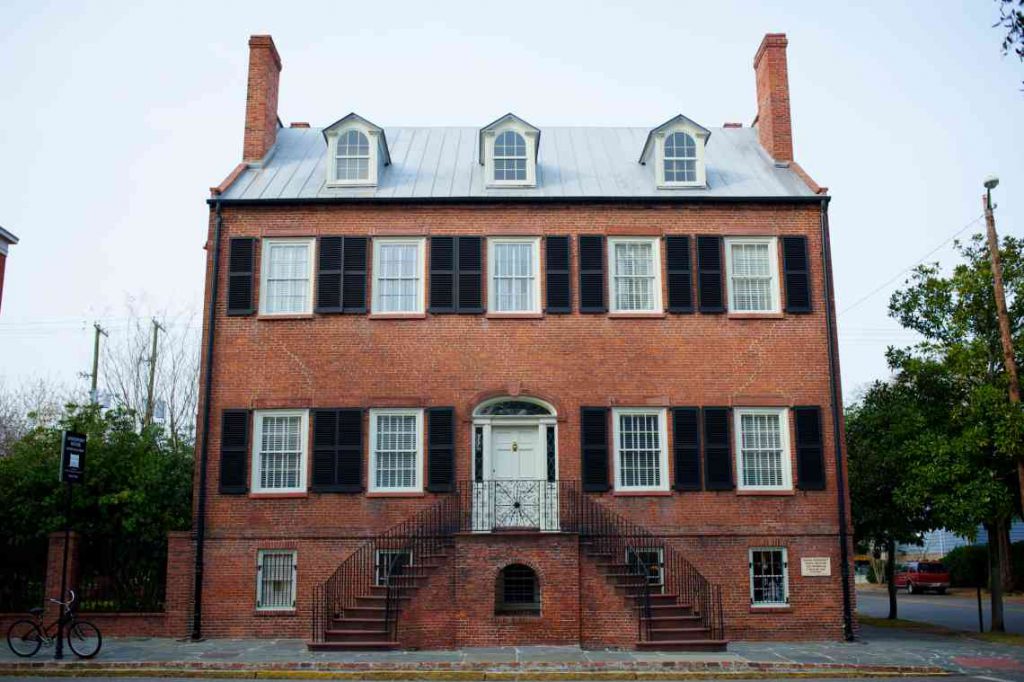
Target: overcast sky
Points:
(116, 118)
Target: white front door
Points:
(514, 453)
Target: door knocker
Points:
(515, 446)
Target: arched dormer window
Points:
(680, 158)
(509, 157)
(352, 157)
(357, 152)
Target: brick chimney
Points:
(261, 98)
(774, 127)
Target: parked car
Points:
(921, 576)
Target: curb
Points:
(496, 672)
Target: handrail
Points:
(388, 561)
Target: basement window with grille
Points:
(649, 560)
(391, 563)
(275, 580)
(517, 592)
(769, 576)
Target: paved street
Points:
(691, 679)
(956, 611)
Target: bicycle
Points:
(26, 636)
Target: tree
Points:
(885, 449)
(24, 407)
(973, 434)
(1012, 19)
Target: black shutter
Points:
(717, 449)
(680, 274)
(709, 275)
(328, 275)
(234, 452)
(686, 445)
(241, 259)
(810, 460)
(441, 449)
(556, 266)
(592, 274)
(353, 291)
(337, 451)
(442, 274)
(594, 444)
(797, 273)
(471, 274)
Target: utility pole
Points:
(152, 376)
(100, 331)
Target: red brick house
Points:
(6, 239)
(520, 385)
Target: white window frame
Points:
(699, 140)
(421, 265)
(257, 449)
(265, 249)
(492, 299)
(417, 485)
(773, 264)
(785, 578)
(259, 578)
(787, 456)
(373, 163)
(657, 306)
(530, 137)
(660, 412)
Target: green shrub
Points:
(968, 566)
(872, 578)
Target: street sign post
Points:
(72, 470)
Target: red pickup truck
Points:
(920, 576)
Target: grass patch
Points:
(932, 629)
(999, 638)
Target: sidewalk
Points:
(879, 652)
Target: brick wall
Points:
(569, 360)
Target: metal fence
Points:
(122, 574)
(23, 575)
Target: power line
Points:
(902, 272)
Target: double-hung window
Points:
(352, 156)
(396, 452)
(635, 266)
(286, 282)
(680, 159)
(769, 576)
(641, 449)
(513, 266)
(762, 449)
(398, 266)
(275, 580)
(279, 452)
(509, 157)
(752, 267)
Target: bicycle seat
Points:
(36, 611)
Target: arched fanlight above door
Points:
(514, 407)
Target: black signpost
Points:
(72, 468)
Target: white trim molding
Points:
(421, 265)
(613, 275)
(535, 278)
(773, 603)
(291, 568)
(772, 243)
(257, 452)
(784, 475)
(662, 433)
(266, 247)
(417, 470)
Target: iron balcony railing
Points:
(389, 561)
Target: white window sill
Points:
(512, 315)
(765, 491)
(280, 493)
(511, 185)
(755, 315)
(396, 493)
(352, 183)
(641, 492)
(637, 313)
(398, 316)
(285, 316)
(682, 185)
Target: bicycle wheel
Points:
(84, 638)
(24, 638)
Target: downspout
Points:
(836, 400)
(204, 451)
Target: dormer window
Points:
(508, 152)
(352, 156)
(680, 158)
(676, 149)
(509, 157)
(357, 151)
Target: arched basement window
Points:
(509, 407)
(517, 591)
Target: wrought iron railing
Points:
(391, 560)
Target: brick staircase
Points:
(365, 626)
(668, 622)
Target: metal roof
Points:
(576, 162)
